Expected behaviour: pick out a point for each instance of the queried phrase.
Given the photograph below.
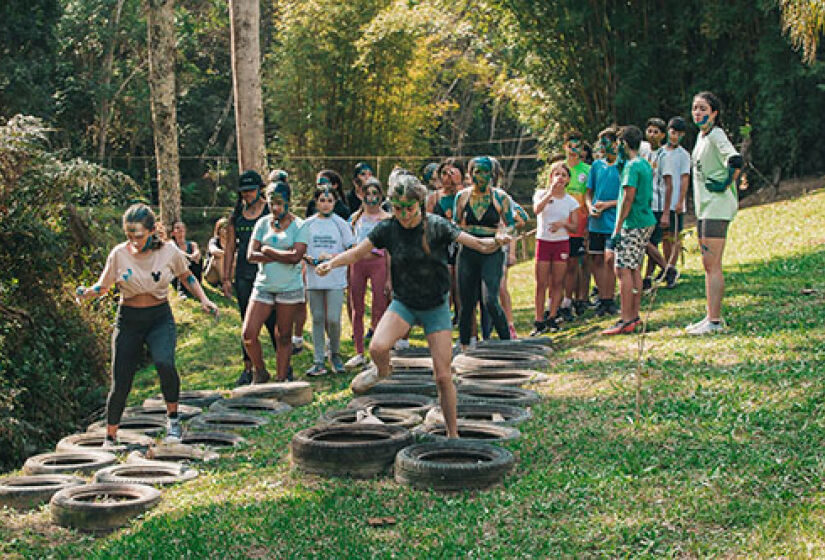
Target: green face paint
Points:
(404, 205)
(622, 151)
(608, 146)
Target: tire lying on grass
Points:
(410, 402)
(388, 416)
(536, 345)
(412, 352)
(143, 424)
(419, 362)
(227, 422)
(26, 492)
(178, 452)
(500, 414)
(199, 398)
(253, 404)
(293, 393)
(481, 432)
(454, 464)
(151, 473)
(413, 372)
(405, 385)
(185, 411)
(94, 440)
(496, 394)
(508, 377)
(358, 451)
(101, 507)
(83, 462)
(213, 439)
(479, 359)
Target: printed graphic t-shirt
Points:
(577, 188)
(149, 272)
(277, 276)
(330, 235)
(419, 280)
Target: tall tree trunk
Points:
(160, 25)
(245, 23)
(106, 103)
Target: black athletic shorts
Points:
(577, 248)
(597, 243)
(712, 229)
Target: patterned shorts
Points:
(630, 250)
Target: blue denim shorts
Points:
(433, 319)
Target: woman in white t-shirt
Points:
(142, 268)
(556, 217)
(327, 234)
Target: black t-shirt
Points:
(243, 233)
(419, 280)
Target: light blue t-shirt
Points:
(604, 183)
(276, 276)
(327, 236)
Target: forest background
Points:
(377, 80)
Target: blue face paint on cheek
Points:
(147, 244)
(703, 121)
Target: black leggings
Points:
(473, 269)
(135, 326)
(243, 291)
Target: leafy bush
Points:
(53, 354)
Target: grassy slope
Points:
(726, 461)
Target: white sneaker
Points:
(402, 344)
(356, 361)
(694, 326)
(367, 417)
(365, 380)
(708, 328)
(434, 416)
(473, 342)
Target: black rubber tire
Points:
(506, 377)
(151, 473)
(481, 432)
(496, 394)
(80, 507)
(200, 398)
(175, 452)
(143, 424)
(26, 492)
(251, 404)
(478, 412)
(217, 440)
(536, 345)
(227, 422)
(413, 372)
(388, 416)
(83, 462)
(411, 352)
(358, 451)
(418, 362)
(475, 360)
(293, 393)
(185, 411)
(454, 464)
(405, 385)
(94, 440)
(410, 402)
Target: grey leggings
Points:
(325, 306)
(135, 326)
(473, 269)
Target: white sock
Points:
(297, 341)
(566, 302)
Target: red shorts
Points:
(552, 251)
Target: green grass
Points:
(726, 459)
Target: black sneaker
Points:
(647, 284)
(244, 379)
(671, 276)
(369, 334)
(545, 316)
(566, 314)
(581, 307)
(552, 324)
(612, 309)
(290, 376)
(660, 276)
(297, 348)
(539, 327)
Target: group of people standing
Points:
(425, 250)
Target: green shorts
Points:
(433, 319)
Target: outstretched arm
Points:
(195, 288)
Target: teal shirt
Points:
(276, 276)
(638, 173)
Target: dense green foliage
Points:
(53, 355)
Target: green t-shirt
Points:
(637, 173)
(577, 188)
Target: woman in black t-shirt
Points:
(417, 243)
(251, 206)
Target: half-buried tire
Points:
(94, 441)
(177, 452)
(480, 432)
(227, 421)
(26, 492)
(250, 404)
(410, 402)
(358, 451)
(405, 385)
(421, 362)
(152, 473)
(198, 398)
(388, 416)
(82, 462)
(101, 507)
(145, 424)
(479, 359)
(496, 394)
(508, 377)
(218, 440)
(500, 414)
(185, 411)
(293, 393)
(536, 345)
(453, 464)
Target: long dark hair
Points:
(143, 215)
(715, 105)
(371, 182)
(336, 180)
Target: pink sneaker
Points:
(513, 333)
